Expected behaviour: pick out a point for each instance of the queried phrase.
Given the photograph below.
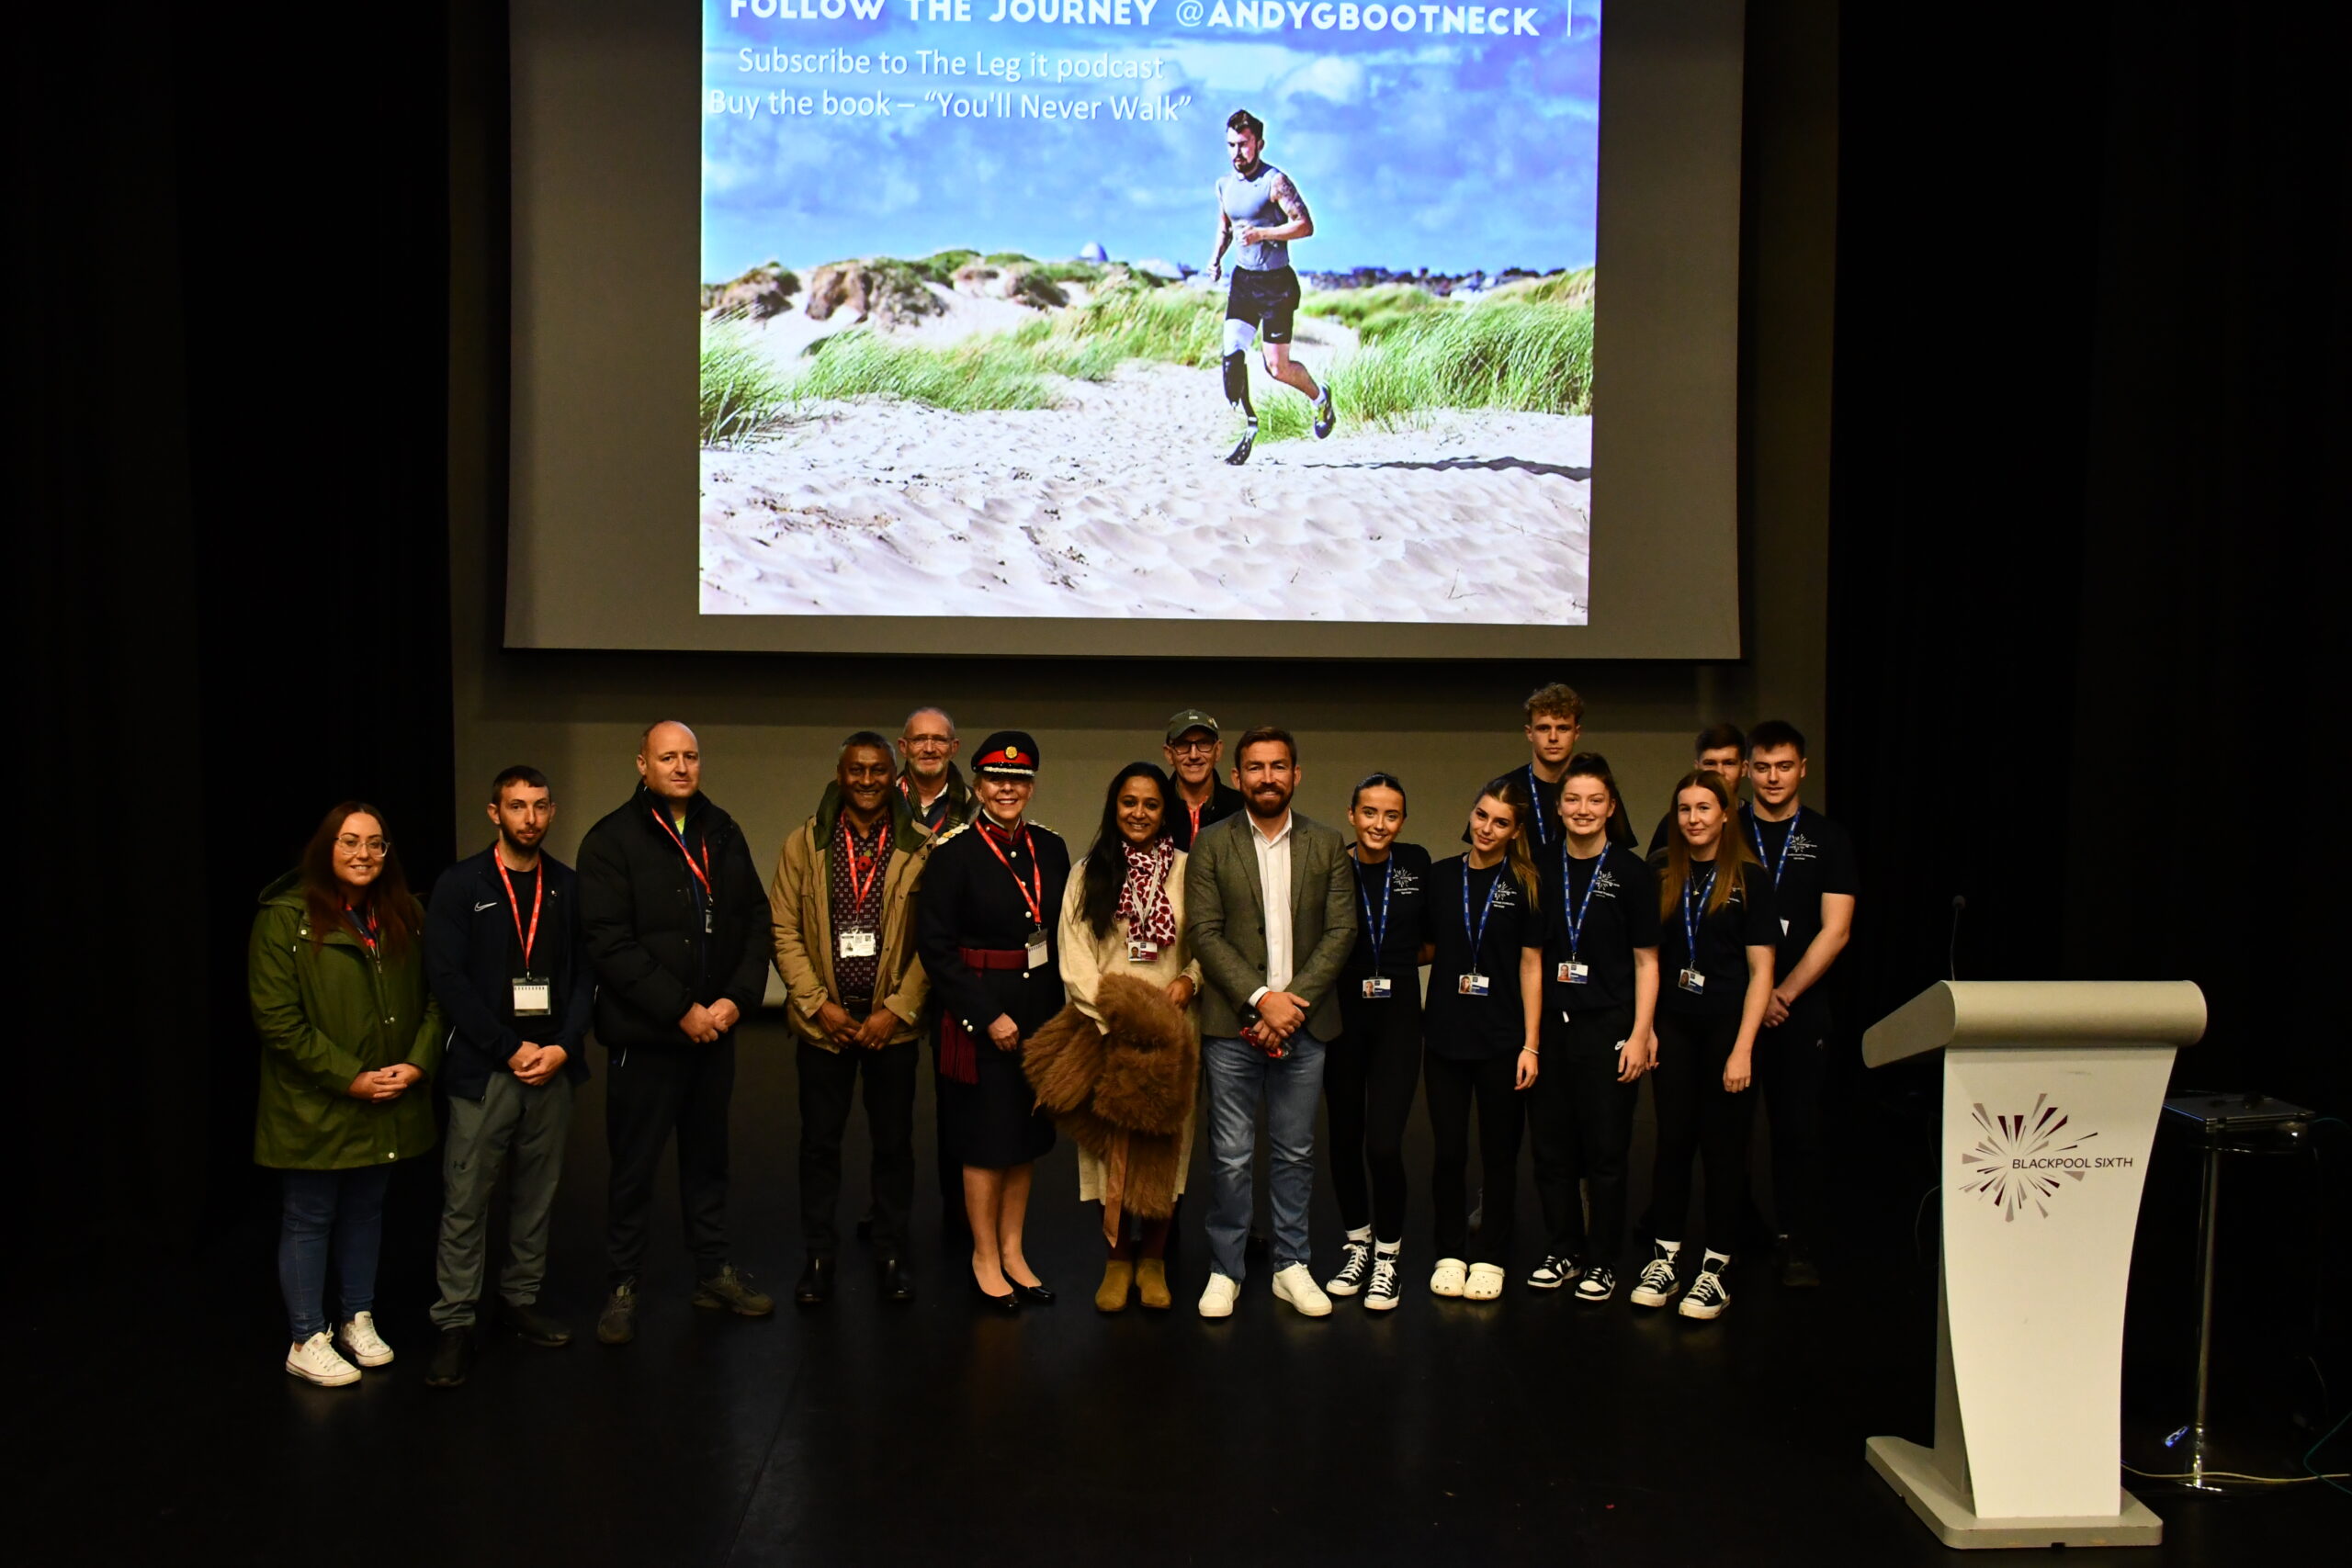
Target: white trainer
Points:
(1707, 1298)
(362, 1343)
(1216, 1301)
(1485, 1283)
(314, 1361)
(1448, 1278)
(1296, 1285)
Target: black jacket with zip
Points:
(641, 911)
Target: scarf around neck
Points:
(1143, 898)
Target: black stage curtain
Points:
(2088, 429)
(230, 583)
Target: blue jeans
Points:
(346, 1206)
(1239, 1077)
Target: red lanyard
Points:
(1035, 900)
(702, 872)
(1196, 818)
(860, 888)
(539, 894)
(366, 933)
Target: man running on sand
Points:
(1258, 201)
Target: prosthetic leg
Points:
(1236, 386)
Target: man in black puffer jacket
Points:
(677, 922)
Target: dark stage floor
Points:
(1532, 1430)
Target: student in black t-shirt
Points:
(1600, 925)
(1555, 724)
(1486, 1002)
(1720, 750)
(1715, 952)
(1371, 1071)
(1811, 863)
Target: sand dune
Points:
(1118, 505)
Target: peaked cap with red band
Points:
(1009, 753)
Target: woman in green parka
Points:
(349, 1035)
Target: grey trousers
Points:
(528, 1124)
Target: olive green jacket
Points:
(327, 1012)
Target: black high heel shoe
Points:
(1003, 1305)
(1038, 1294)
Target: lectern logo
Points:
(2021, 1162)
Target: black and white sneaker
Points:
(1326, 416)
(1598, 1285)
(1386, 1291)
(1657, 1284)
(1707, 1297)
(1355, 1268)
(1553, 1272)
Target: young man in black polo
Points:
(503, 948)
(1192, 751)
(1720, 750)
(1811, 861)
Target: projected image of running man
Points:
(1259, 206)
(977, 353)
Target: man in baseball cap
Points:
(1194, 750)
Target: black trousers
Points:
(1696, 1115)
(1454, 1086)
(1580, 1122)
(1792, 1067)
(828, 1083)
(1370, 1075)
(650, 1092)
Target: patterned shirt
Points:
(857, 864)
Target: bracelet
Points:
(1529, 1051)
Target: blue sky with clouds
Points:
(1445, 151)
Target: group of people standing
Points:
(1214, 955)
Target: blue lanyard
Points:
(1535, 803)
(1757, 833)
(1689, 920)
(1380, 928)
(1571, 911)
(1478, 940)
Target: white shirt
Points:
(1273, 875)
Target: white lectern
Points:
(2052, 1091)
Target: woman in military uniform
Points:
(985, 927)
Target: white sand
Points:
(1119, 505)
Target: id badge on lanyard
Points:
(1378, 988)
(534, 996)
(1691, 979)
(857, 945)
(1035, 950)
(1139, 952)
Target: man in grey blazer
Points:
(1271, 911)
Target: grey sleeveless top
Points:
(1252, 201)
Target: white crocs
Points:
(1448, 1277)
(1485, 1282)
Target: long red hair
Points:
(398, 921)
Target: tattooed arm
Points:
(1302, 222)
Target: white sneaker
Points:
(1448, 1278)
(1217, 1300)
(1385, 1290)
(1485, 1282)
(1296, 1285)
(362, 1343)
(314, 1361)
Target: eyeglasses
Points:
(1193, 747)
(352, 844)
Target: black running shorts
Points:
(1267, 300)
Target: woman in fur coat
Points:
(1119, 1067)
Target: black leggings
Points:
(1454, 1085)
(1370, 1074)
(1580, 1120)
(1696, 1115)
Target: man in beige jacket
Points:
(844, 906)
